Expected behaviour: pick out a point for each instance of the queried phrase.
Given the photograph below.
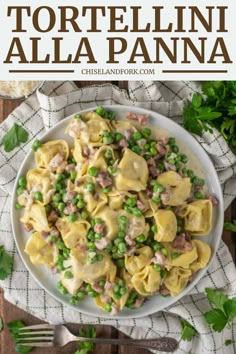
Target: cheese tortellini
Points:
(115, 214)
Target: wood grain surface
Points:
(9, 312)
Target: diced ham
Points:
(96, 196)
(61, 168)
(163, 140)
(141, 205)
(78, 167)
(55, 162)
(97, 288)
(45, 234)
(129, 241)
(114, 310)
(70, 209)
(81, 248)
(165, 197)
(149, 192)
(180, 243)
(131, 251)
(52, 217)
(99, 228)
(27, 227)
(169, 166)
(108, 285)
(86, 152)
(123, 143)
(138, 302)
(161, 149)
(102, 243)
(55, 232)
(105, 298)
(127, 134)
(154, 172)
(77, 126)
(78, 183)
(104, 179)
(159, 258)
(70, 195)
(70, 167)
(141, 118)
(213, 199)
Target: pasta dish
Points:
(115, 213)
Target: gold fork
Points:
(45, 335)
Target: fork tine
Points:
(36, 339)
(34, 333)
(37, 344)
(40, 326)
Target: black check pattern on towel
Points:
(53, 102)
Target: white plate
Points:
(48, 281)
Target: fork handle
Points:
(164, 344)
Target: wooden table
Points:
(9, 312)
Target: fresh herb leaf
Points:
(228, 342)
(214, 107)
(216, 298)
(230, 226)
(86, 347)
(223, 313)
(15, 135)
(6, 264)
(1, 324)
(188, 331)
(14, 330)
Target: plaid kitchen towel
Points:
(41, 111)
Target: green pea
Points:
(108, 307)
(89, 287)
(198, 195)
(123, 291)
(183, 158)
(147, 156)
(117, 241)
(158, 188)
(60, 266)
(84, 215)
(154, 228)
(118, 137)
(106, 190)
(38, 196)
(36, 144)
(127, 208)
(137, 136)
(93, 171)
(175, 149)
(56, 197)
(122, 247)
(52, 239)
(190, 173)
(121, 234)
(157, 267)
(101, 283)
(157, 246)
(116, 296)
(160, 165)
(100, 257)
(184, 171)
(18, 206)
(156, 199)
(91, 235)
(116, 255)
(93, 293)
(48, 208)
(57, 186)
(80, 295)
(92, 222)
(77, 116)
(122, 219)
(177, 165)
(114, 249)
(91, 246)
(140, 238)
(107, 140)
(171, 141)
(136, 211)
(100, 111)
(136, 149)
(175, 255)
(108, 154)
(73, 175)
(112, 170)
(131, 202)
(164, 251)
(146, 147)
(163, 273)
(120, 262)
(98, 236)
(20, 190)
(90, 187)
(91, 260)
(68, 275)
(22, 182)
(73, 300)
(153, 151)
(61, 206)
(79, 196)
(81, 204)
(146, 132)
(72, 217)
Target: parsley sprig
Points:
(224, 310)
(188, 331)
(14, 137)
(86, 347)
(6, 264)
(230, 226)
(214, 107)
